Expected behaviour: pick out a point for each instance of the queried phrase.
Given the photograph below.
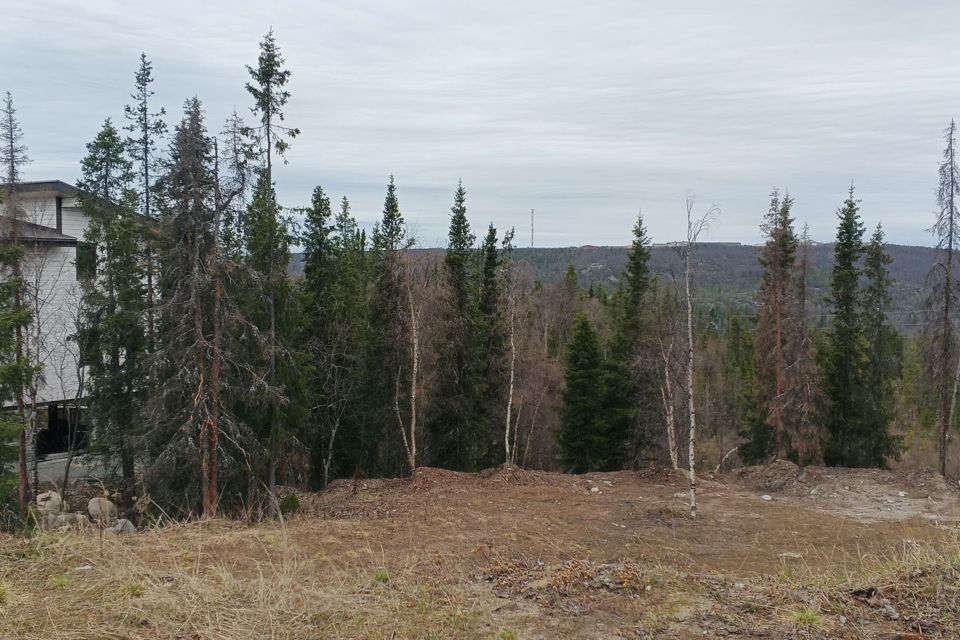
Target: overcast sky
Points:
(585, 111)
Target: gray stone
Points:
(50, 502)
(766, 498)
(102, 510)
(123, 528)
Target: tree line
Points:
(211, 377)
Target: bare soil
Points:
(776, 552)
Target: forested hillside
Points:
(725, 272)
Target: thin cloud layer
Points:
(584, 111)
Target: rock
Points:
(102, 510)
(766, 498)
(790, 555)
(50, 502)
(123, 528)
(64, 521)
(594, 489)
(902, 494)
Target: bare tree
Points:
(667, 315)
(941, 304)
(694, 228)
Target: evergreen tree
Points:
(202, 366)
(631, 383)
(777, 341)
(580, 413)
(844, 357)
(15, 314)
(489, 355)
(386, 362)
(146, 127)
(267, 241)
(884, 347)
(114, 298)
(452, 421)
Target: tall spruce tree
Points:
(267, 240)
(115, 297)
(776, 339)
(884, 347)
(631, 384)
(490, 354)
(146, 127)
(844, 356)
(15, 314)
(452, 419)
(386, 362)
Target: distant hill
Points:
(724, 272)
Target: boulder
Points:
(50, 502)
(123, 528)
(102, 510)
(64, 521)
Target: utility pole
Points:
(531, 228)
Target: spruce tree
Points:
(844, 357)
(15, 315)
(489, 355)
(452, 419)
(386, 365)
(267, 241)
(146, 127)
(884, 347)
(775, 336)
(630, 384)
(115, 297)
(580, 439)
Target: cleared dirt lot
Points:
(518, 554)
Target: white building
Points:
(51, 229)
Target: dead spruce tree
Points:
(942, 367)
(201, 365)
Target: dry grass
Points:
(510, 558)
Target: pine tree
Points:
(15, 315)
(115, 298)
(844, 357)
(146, 128)
(884, 347)
(580, 439)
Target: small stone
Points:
(902, 494)
(790, 555)
(843, 619)
(123, 528)
(594, 489)
(766, 498)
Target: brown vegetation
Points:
(510, 553)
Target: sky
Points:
(587, 112)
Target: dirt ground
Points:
(511, 554)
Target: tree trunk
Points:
(693, 413)
(509, 456)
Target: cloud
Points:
(584, 111)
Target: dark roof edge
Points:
(57, 186)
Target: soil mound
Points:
(776, 476)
